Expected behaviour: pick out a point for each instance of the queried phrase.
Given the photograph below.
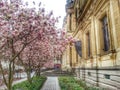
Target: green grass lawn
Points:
(37, 83)
(70, 83)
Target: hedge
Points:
(37, 83)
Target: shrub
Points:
(37, 83)
(70, 83)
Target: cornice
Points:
(99, 5)
(90, 8)
(86, 8)
(76, 31)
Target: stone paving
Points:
(51, 84)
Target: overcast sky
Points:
(57, 6)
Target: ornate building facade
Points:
(95, 56)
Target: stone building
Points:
(95, 56)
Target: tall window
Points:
(70, 56)
(70, 22)
(88, 43)
(76, 16)
(76, 57)
(105, 33)
(78, 46)
(76, 13)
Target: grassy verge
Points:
(37, 83)
(70, 83)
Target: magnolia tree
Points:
(29, 36)
(35, 56)
(19, 27)
(10, 36)
(61, 43)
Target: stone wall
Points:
(108, 78)
(107, 71)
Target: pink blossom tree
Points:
(19, 27)
(35, 56)
(10, 37)
(29, 36)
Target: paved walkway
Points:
(51, 84)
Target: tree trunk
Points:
(27, 70)
(2, 71)
(9, 86)
(29, 77)
(38, 72)
(10, 77)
